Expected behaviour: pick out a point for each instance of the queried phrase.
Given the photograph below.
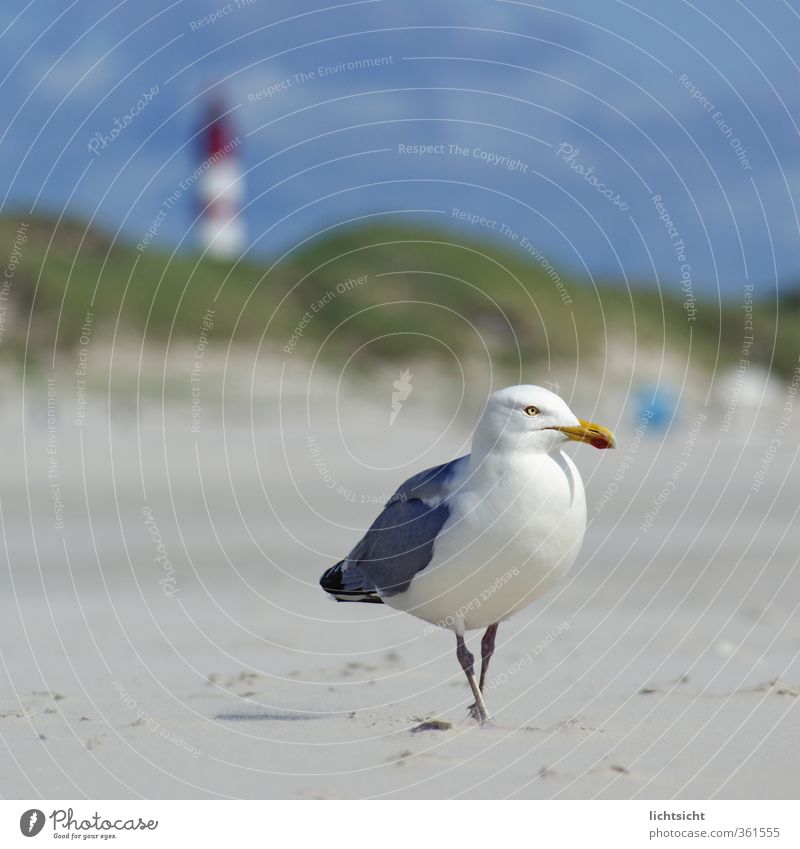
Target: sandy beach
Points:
(164, 635)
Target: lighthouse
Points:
(220, 186)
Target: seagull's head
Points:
(531, 418)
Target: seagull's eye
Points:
(532, 410)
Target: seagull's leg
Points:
(467, 661)
(487, 650)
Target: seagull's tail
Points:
(346, 584)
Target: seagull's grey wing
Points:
(399, 543)
(434, 485)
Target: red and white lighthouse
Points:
(220, 186)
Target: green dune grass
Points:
(369, 286)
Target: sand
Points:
(665, 666)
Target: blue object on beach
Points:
(656, 403)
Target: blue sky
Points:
(613, 80)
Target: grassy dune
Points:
(459, 294)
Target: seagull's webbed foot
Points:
(481, 717)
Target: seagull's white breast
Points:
(515, 528)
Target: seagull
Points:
(467, 544)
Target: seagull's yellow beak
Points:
(594, 434)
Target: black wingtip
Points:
(333, 582)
